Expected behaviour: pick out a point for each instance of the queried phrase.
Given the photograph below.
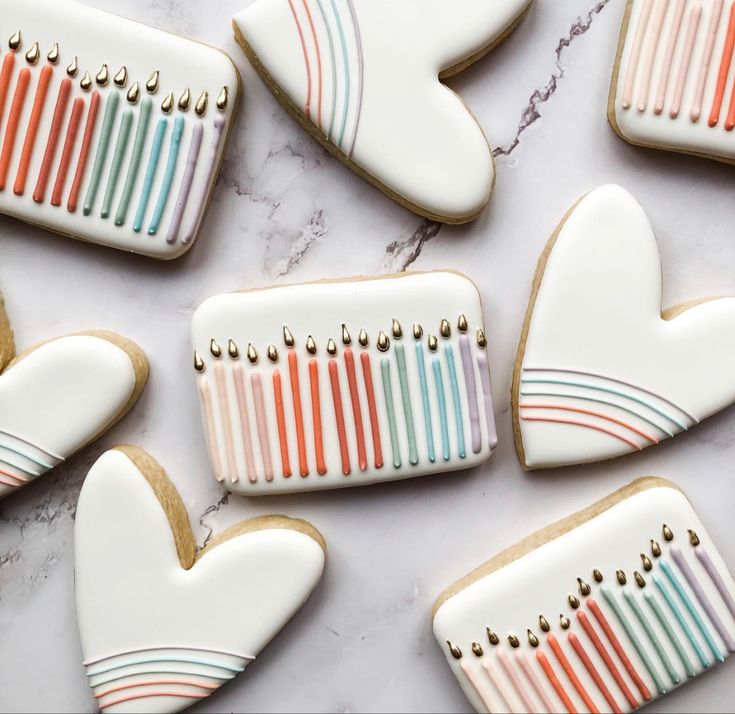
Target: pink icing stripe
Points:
(318, 63)
(709, 49)
(307, 106)
(224, 406)
(536, 683)
(262, 423)
(477, 685)
(656, 27)
(22, 479)
(501, 687)
(206, 395)
(242, 406)
(516, 681)
(9, 483)
(663, 86)
(694, 19)
(156, 683)
(133, 697)
(573, 422)
(635, 53)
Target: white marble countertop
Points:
(285, 211)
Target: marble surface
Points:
(285, 211)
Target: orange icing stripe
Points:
(62, 100)
(367, 374)
(571, 674)
(543, 660)
(293, 368)
(33, 124)
(282, 438)
(307, 106)
(76, 185)
(591, 669)
(16, 109)
(66, 155)
(5, 75)
(727, 52)
(22, 479)
(318, 62)
(356, 410)
(340, 416)
(157, 682)
(316, 416)
(132, 697)
(4, 481)
(574, 422)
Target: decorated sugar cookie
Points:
(601, 371)
(345, 383)
(163, 625)
(110, 131)
(606, 610)
(363, 77)
(59, 396)
(672, 83)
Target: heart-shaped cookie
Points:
(363, 78)
(59, 396)
(600, 370)
(162, 625)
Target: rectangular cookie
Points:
(345, 383)
(604, 611)
(674, 79)
(110, 131)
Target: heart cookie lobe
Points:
(601, 371)
(363, 78)
(154, 634)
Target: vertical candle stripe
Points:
(669, 56)
(168, 176)
(695, 17)
(650, 633)
(693, 641)
(471, 387)
(477, 685)
(500, 685)
(619, 651)
(449, 354)
(186, 182)
(242, 407)
(121, 147)
(367, 375)
(316, 417)
(673, 638)
(16, 109)
(548, 705)
(630, 632)
(439, 382)
(261, 422)
(52, 142)
(515, 680)
(716, 578)
(6, 74)
(111, 106)
(487, 394)
(725, 62)
(635, 53)
(76, 186)
(655, 37)
(571, 674)
(141, 134)
(707, 53)
(150, 174)
(293, 369)
(281, 421)
(684, 597)
(340, 417)
(413, 455)
(543, 660)
(225, 418)
(593, 673)
(72, 131)
(388, 393)
(356, 409)
(704, 601)
(208, 409)
(32, 132)
(420, 361)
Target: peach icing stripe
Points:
(262, 423)
(242, 406)
(356, 408)
(592, 671)
(316, 417)
(500, 685)
(367, 374)
(695, 17)
(133, 697)
(34, 122)
(281, 420)
(571, 674)
(574, 422)
(727, 51)
(515, 680)
(536, 683)
(709, 49)
(307, 62)
(206, 395)
(543, 660)
(663, 85)
(16, 109)
(76, 186)
(318, 62)
(224, 407)
(72, 132)
(340, 417)
(477, 685)
(6, 482)
(22, 479)
(155, 683)
(5, 76)
(635, 53)
(651, 50)
(293, 369)
(52, 143)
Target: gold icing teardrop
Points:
(223, 98)
(86, 82)
(201, 106)
(668, 534)
(584, 588)
(103, 76)
(620, 575)
(445, 329)
(514, 641)
(597, 575)
(532, 639)
(214, 348)
(167, 105)
(252, 354)
(543, 623)
(481, 339)
(418, 331)
(363, 338)
(693, 538)
(346, 337)
(383, 341)
(198, 362)
(477, 649)
(134, 93)
(310, 345)
(492, 638)
(433, 343)
(573, 602)
(647, 564)
(33, 54)
(185, 100)
(53, 55)
(151, 85)
(331, 347)
(272, 353)
(639, 579)
(232, 350)
(121, 78)
(73, 68)
(565, 622)
(655, 549)
(288, 338)
(397, 329)
(462, 323)
(15, 41)
(454, 650)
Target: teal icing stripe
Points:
(113, 101)
(388, 392)
(345, 57)
(613, 603)
(117, 159)
(664, 622)
(141, 134)
(26, 455)
(154, 660)
(145, 194)
(413, 454)
(449, 352)
(671, 575)
(168, 177)
(442, 408)
(333, 64)
(681, 620)
(583, 385)
(109, 680)
(668, 666)
(427, 404)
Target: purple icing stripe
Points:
(716, 578)
(487, 392)
(186, 182)
(361, 70)
(471, 386)
(689, 576)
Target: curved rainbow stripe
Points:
(16, 453)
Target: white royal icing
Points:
(510, 600)
(146, 624)
(599, 352)
(95, 38)
(382, 105)
(55, 400)
(320, 310)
